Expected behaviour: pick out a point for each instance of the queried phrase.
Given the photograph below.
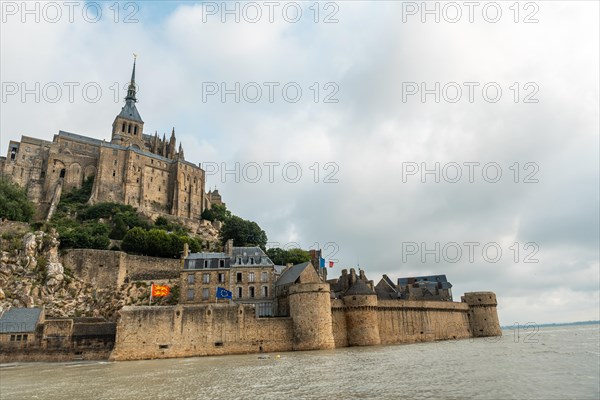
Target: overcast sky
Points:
(517, 95)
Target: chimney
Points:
(229, 247)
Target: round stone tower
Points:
(310, 309)
(362, 324)
(483, 316)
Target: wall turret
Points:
(360, 302)
(483, 315)
(310, 309)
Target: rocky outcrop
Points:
(31, 274)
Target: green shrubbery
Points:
(157, 242)
(13, 202)
(283, 257)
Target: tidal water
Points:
(550, 363)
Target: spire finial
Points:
(131, 89)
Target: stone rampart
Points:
(198, 330)
(110, 269)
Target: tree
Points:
(243, 232)
(135, 241)
(217, 212)
(283, 257)
(13, 202)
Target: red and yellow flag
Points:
(160, 290)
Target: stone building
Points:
(247, 272)
(26, 335)
(18, 326)
(143, 170)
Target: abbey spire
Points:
(128, 125)
(131, 89)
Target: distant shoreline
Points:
(511, 327)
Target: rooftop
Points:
(19, 320)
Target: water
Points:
(554, 363)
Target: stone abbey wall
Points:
(110, 269)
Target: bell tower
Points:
(128, 125)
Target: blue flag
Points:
(224, 293)
(321, 262)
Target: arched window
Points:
(123, 128)
(128, 128)
(135, 130)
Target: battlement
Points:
(475, 299)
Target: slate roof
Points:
(129, 111)
(20, 320)
(292, 274)
(244, 253)
(430, 278)
(94, 329)
(359, 287)
(80, 138)
(205, 256)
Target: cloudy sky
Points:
(409, 141)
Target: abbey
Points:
(145, 171)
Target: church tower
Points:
(128, 125)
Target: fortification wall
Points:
(198, 330)
(109, 269)
(405, 321)
(99, 267)
(139, 268)
(338, 323)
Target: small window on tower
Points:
(135, 130)
(123, 127)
